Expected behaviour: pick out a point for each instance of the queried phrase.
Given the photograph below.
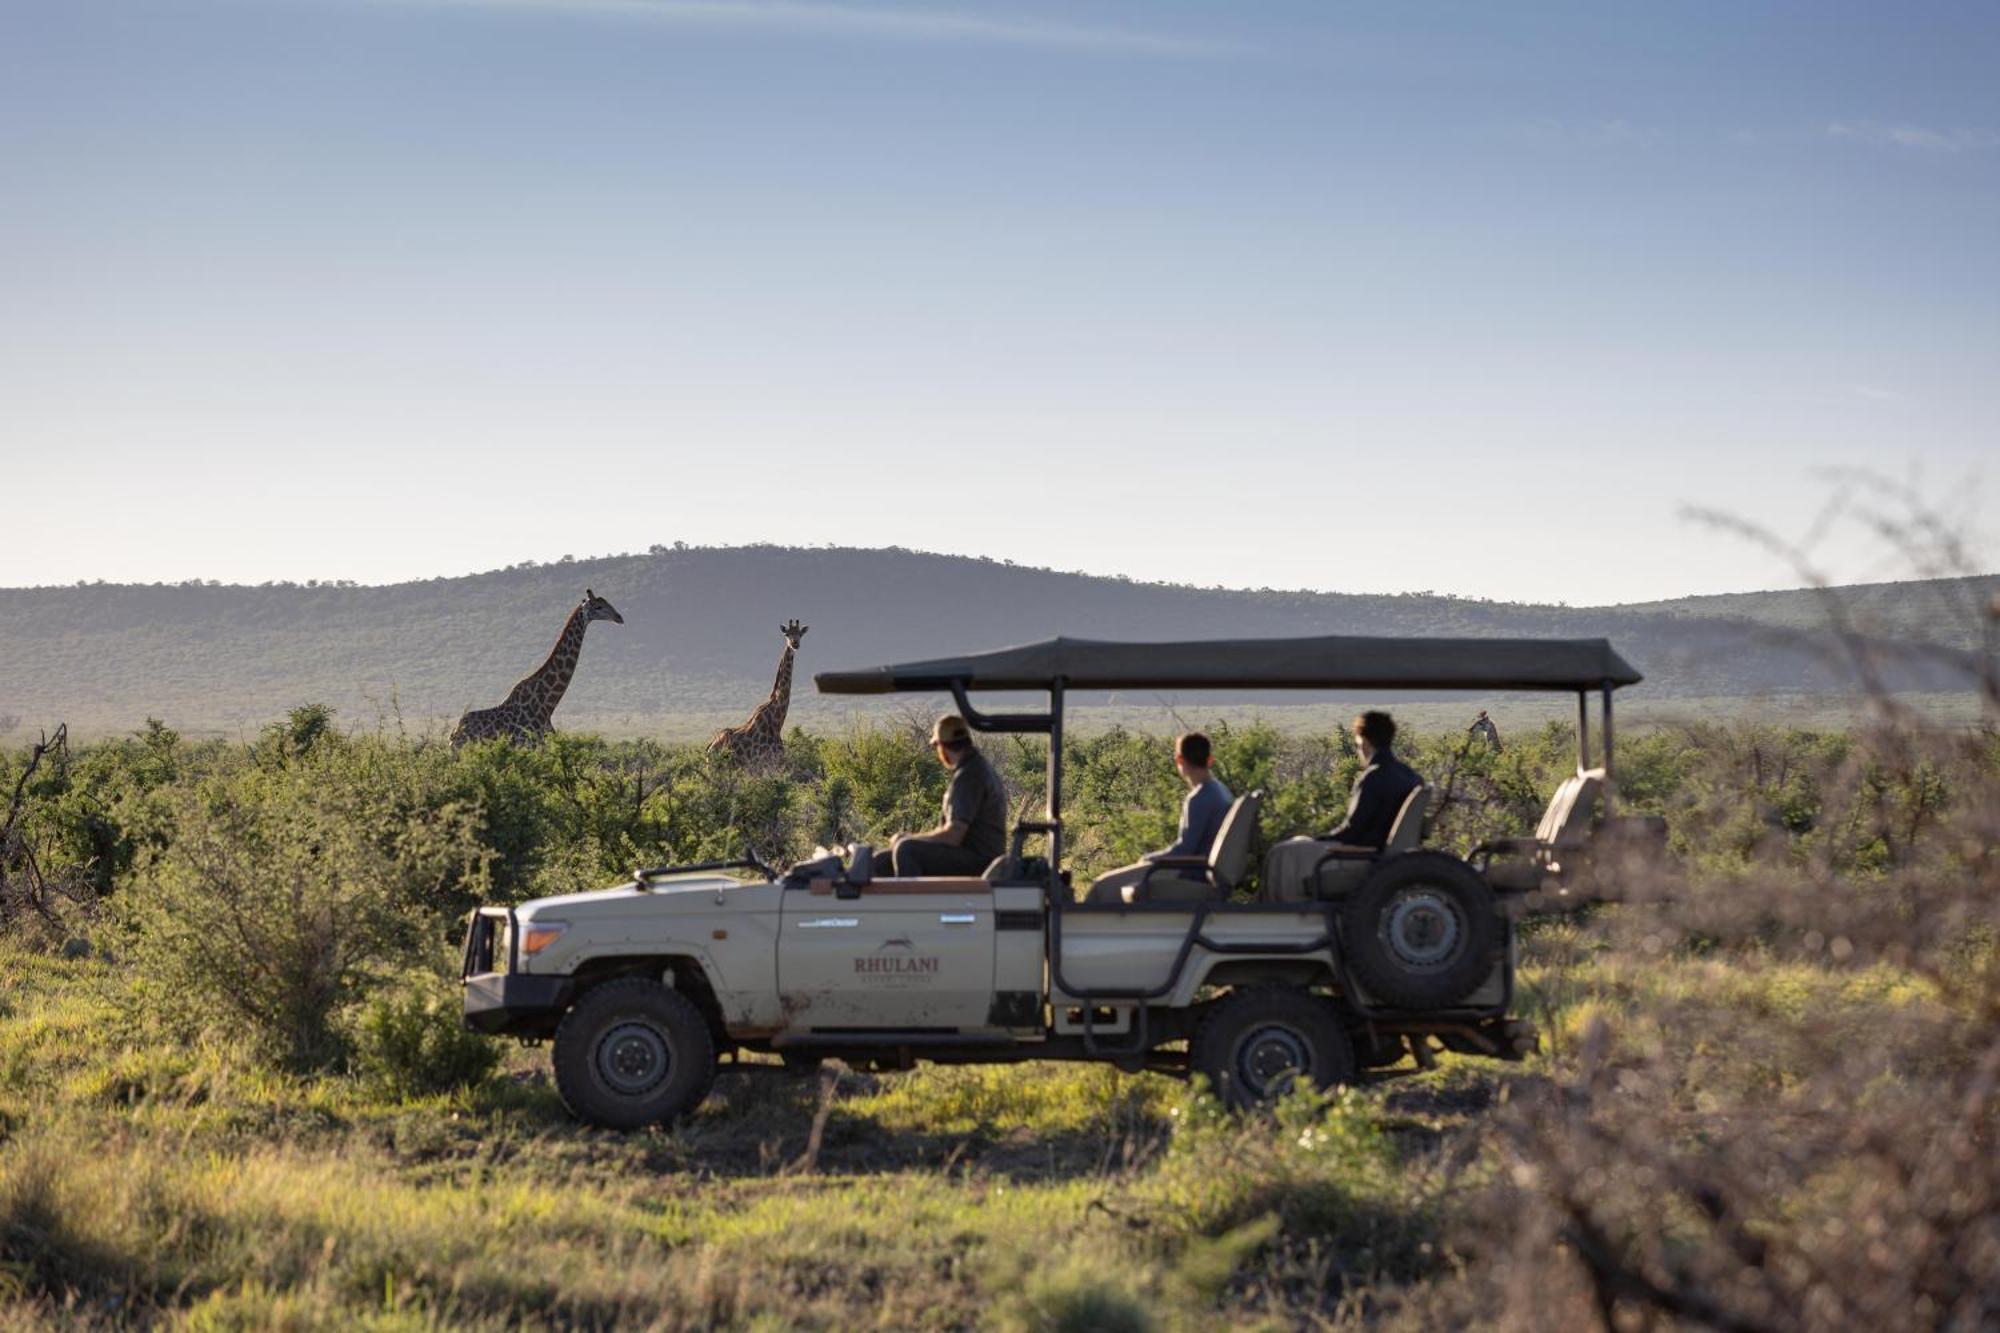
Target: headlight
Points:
(539, 935)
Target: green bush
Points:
(283, 890)
(1078, 1298)
(411, 1041)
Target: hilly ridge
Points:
(700, 638)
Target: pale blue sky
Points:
(1355, 296)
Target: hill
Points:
(1942, 611)
(700, 638)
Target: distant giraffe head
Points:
(596, 608)
(793, 632)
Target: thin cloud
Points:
(895, 24)
(1917, 138)
(1875, 393)
(1587, 133)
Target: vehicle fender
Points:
(745, 982)
(1319, 967)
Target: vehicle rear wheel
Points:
(1257, 1044)
(1421, 932)
(633, 1052)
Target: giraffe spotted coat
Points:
(760, 742)
(525, 717)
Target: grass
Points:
(146, 1177)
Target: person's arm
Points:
(1363, 807)
(961, 802)
(1183, 844)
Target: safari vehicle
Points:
(648, 987)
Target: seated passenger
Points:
(974, 816)
(1201, 816)
(1378, 795)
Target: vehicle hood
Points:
(625, 899)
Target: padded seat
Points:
(1343, 872)
(1523, 863)
(1191, 879)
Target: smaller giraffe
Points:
(760, 742)
(525, 716)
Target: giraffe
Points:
(525, 716)
(760, 742)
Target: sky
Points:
(1471, 297)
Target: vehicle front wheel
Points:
(1257, 1044)
(633, 1052)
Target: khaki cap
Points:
(949, 730)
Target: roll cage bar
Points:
(1581, 666)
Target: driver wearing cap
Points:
(974, 816)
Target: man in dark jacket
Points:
(1379, 792)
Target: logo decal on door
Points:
(893, 963)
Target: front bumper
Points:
(516, 1006)
(497, 997)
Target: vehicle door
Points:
(905, 955)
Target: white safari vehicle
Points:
(647, 988)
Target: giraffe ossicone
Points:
(760, 742)
(526, 715)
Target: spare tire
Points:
(1421, 932)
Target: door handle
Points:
(957, 918)
(830, 923)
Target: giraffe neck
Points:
(542, 690)
(772, 715)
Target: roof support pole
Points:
(1054, 808)
(1608, 782)
(1582, 730)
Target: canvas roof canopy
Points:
(1327, 662)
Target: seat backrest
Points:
(1567, 820)
(1229, 857)
(1408, 830)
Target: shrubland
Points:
(234, 1092)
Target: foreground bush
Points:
(284, 889)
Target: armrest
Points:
(1532, 848)
(1510, 847)
(1341, 854)
(1179, 865)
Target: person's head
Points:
(1193, 755)
(950, 739)
(1374, 732)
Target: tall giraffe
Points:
(525, 717)
(760, 742)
